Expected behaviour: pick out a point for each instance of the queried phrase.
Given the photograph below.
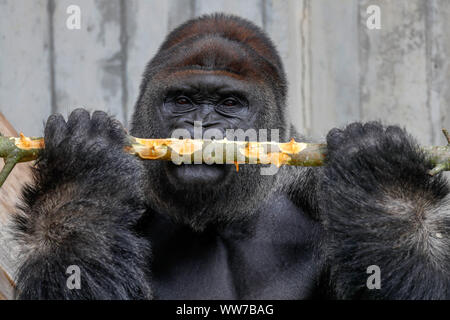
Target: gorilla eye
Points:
(182, 101)
(230, 102)
(232, 106)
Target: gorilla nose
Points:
(217, 133)
(200, 130)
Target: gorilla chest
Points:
(270, 257)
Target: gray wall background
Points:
(339, 71)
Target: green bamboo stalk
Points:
(14, 150)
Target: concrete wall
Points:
(339, 70)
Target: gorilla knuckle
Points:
(55, 122)
(395, 131)
(373, 127)
(355, 129)
(78, 122)
(78, 115)
(99, 116)
(107, 127)
(55, 118)
(334, 137)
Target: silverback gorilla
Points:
(151, 229)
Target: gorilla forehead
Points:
(215, 53)
(228, 27)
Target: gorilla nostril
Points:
(202, 123)
(213, 133)
(211, 124)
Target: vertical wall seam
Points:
(193, 8)
(263, 9)
(310, 68)
(123, 39)
(429, 64)
(303, 51)
(360, 69)
(51, 56)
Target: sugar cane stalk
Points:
(22, 149)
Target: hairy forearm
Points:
(62, 229)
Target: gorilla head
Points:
(225, 72)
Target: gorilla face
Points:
(220, 104)
(225, 72)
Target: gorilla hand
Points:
(84, 147)
(81, 210)
(383, 209)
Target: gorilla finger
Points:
(335, 137)
(397, 135)
(79, 122)
(395, 131)
(117, 131)
(373, 134)
(373, 128)
(55, 130)
(100, 122)
(107, 126)
(354, 130)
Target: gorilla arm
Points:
(81, 210)
(381, 207)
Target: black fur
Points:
(300, 234)
(380, 207)
(77, 213)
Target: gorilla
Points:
(156, 230)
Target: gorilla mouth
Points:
(197, 174)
